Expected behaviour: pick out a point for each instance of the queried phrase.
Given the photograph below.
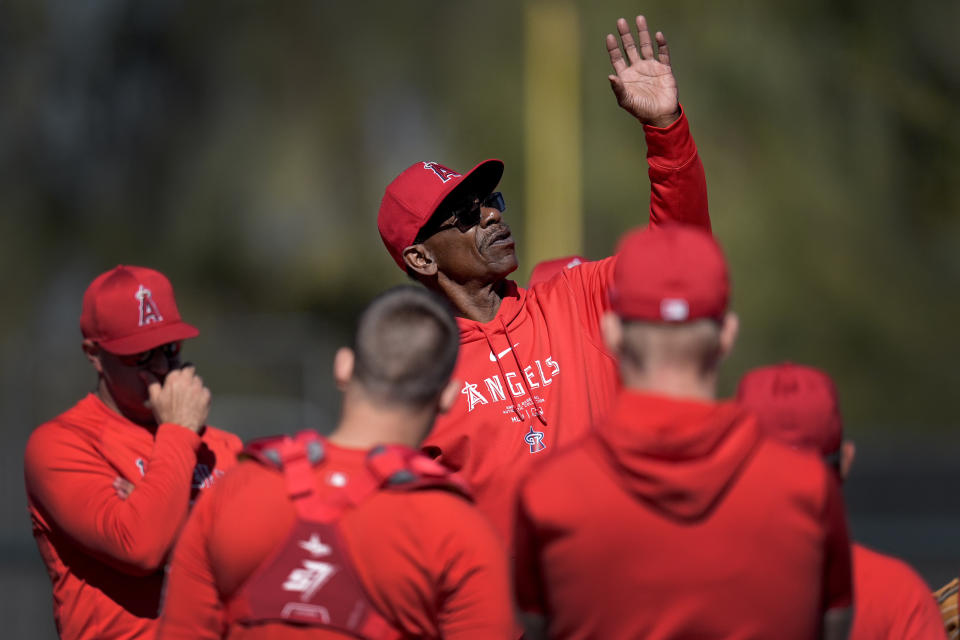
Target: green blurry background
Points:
(243, 147)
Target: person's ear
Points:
(612, 329)
(93, 353)
(343, 363)
(420, 260)
(448, 397)
(847, 453)
(728, 333)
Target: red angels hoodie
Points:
(537, 375)
(675, 519)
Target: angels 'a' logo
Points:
(474, 396)
(442, 172)
(148, 308)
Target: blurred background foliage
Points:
(243, 148)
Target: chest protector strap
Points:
(310, 578)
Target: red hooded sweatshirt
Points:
(537, 375)
(675, 519)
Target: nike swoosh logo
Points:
(494, 358)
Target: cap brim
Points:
(482, 179)
(150, 339)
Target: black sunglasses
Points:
(466, 216)
(170, 350)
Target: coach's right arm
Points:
(646, 89)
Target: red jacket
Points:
(429, 562)
(892, 601)
(105, 555)
(537, 375)
(675, 519)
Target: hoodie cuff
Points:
(672, 147)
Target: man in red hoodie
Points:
(110, 481)
(533, 369)
(798, 405)
(360, 536)
(674, 518)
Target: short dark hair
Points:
(405, 346)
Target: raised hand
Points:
(644, 83)
(181, 399)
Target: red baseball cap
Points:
(549, 268)
(795, 404)
(416, 194)
(128, 310)
(670, 274)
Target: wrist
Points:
(664, 121)
(189, 425)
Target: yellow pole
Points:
(554, 194)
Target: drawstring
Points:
(503, 373)
(523, 377)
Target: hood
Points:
(510, 316)
(678, 455)
(510, 307)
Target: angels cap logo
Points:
(474, 396)
(442, 172)
(148, 308)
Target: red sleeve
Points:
(191, 607)
(474, 581)
(71, 484)
(678, 194)
(837, 580)
(678, 187)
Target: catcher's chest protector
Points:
(310, 579)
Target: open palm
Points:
(644, 82)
